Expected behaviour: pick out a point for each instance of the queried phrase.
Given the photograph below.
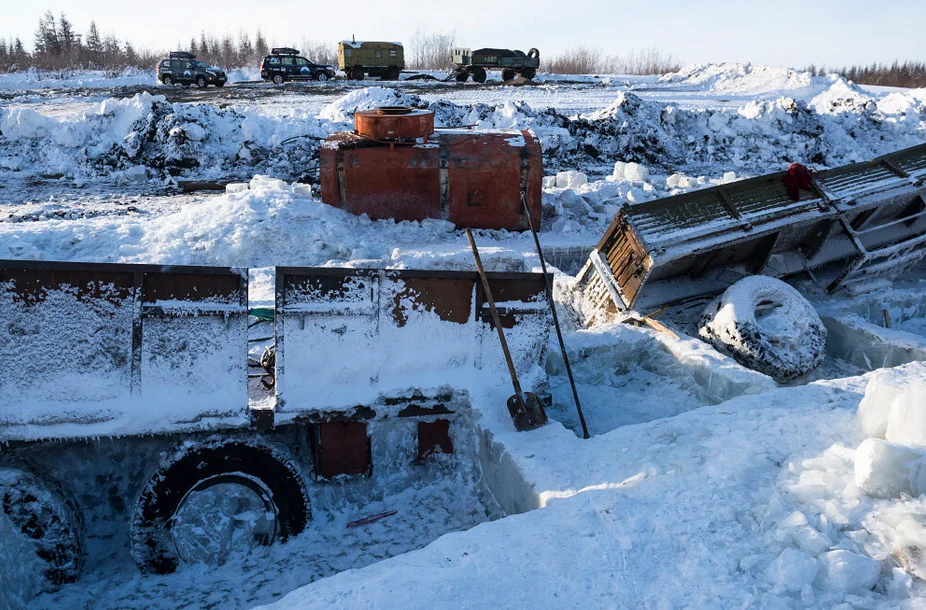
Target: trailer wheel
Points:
(508, 74)
(462, 77)
(391, 73)
(479, 74)
(766, 325)
(50, 523)
(356, 73)
(198, 467)
(529, 73)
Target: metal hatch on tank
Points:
(396, 165)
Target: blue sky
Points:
(774, 33)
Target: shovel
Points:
(525, 408)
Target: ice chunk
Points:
(884, 387)
(886, 470)
(549, 182)
(848, 571)
(793, 569)
(619, 170)
(236, 187)
(570, 179)
(634, 172)
(729, 177)
(717, 121)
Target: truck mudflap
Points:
(867, 219)
(112, 350)
(395, 340)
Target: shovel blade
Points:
(527, 413)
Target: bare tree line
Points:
(907, 74)
(591, 60)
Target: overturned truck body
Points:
(861, 221)
(125, 395)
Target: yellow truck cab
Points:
(360, 58)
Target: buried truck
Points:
(847, 226)
(128, 415)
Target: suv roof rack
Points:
(283, 51)
(182, 55)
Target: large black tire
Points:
(46, 514)
(529, 73)
(788, 343)
(391, 73)
(462, 77)
(479, 74)
(244, 461)
(167, 80)
(356, 73)
(508, 74)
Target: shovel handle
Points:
(495, 318)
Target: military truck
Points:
(512, 63)
(383, 59)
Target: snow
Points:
(704, 483)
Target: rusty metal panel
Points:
(349, 336)
(434, 437)
(120, 349)
(342, 449)
(394, 122)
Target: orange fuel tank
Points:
(396, 165)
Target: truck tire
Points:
(194, 467)
(528, 73)
(462, 77)
(788, 342)
(356, 73)
(391, 73)
(508, 74)
(49, 519)
(479, 74)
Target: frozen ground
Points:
(704, 484)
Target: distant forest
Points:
(907, 74)
(58, 46)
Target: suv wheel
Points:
(167, 80)
(201, 82)
(321, 76)
(277, 79)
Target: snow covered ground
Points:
(704, 485)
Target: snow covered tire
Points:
(790, 343)
(195, 463)
(48, 514)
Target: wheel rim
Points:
(221, 516)
(278, 79)
(322, 76)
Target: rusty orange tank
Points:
(473, 178)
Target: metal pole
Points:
(495, 318)
(559, 333)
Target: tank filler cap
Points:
(394, 122)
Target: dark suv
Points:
(285, 64)
(183, 68)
